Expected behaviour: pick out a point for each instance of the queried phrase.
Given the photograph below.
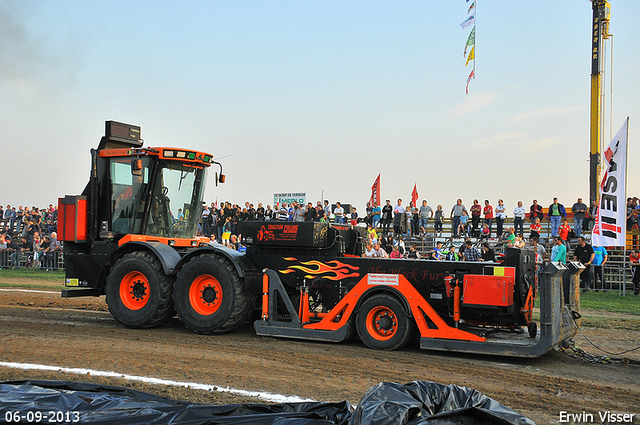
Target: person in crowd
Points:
(368, 213)
(260, 212)
(394, 252)
(501, 215)
(488, 254)
(387, 215)
(438, 221)
(584, 253)
(538, 248)
(415, 221)
(486, 231)
(283, 213)
(476, 212)
(436, 254)
(559, 251)
(510, 241)
(471, 253)
(634, 259)
(519, 242)
(487, 212)
(375, 215)
(518, 218)
(452, 255)
(464, 227)
(455, 215)
(338, 212)
(319, 212)
(536, 211)
(600, 258)
(398, 217)
(299, 214)
(413, 252)
(327, 210)
(425, 213)
(368, 251)
(579, 210)
(310, 213)
(378, 252)
(563, 232)
(535, 228)
(556, 213)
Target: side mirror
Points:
(136, 167)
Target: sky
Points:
(317, 97)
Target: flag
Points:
(472, 76)
(470, 41)
(472, 7)
(472, 55)
(471, 20)
(414, 195)
(375, 193)
(610, 228)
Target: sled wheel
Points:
(139, 292)
(209, 295)
(533, 329)
(383, 324)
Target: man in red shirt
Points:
(487, 211)
(634, 258)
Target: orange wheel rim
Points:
(134, 290)
(382, 323)
(205, 295)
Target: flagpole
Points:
(624, 255)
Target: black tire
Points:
(139, 293)
(383, 323)
(209, 295)
(533, 329)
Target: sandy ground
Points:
(44, 328)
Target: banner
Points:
(375, 193)
(610, 227)
(414, 195)
(288, 198)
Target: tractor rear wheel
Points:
(209, 295)
(383, 323)
(139, 293)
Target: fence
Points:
(45, 261)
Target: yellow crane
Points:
(600, 32)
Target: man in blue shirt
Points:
(599, 260)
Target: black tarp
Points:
(415, 403)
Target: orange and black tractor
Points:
(131, 236)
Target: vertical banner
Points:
(610, 227)
(471, 42)
(375, 193)
(414, 195)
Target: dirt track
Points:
(43, 328)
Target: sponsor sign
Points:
(279, 198)
(384, 279)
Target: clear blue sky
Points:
(312, 96)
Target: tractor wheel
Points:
(533, 329)
(139, 293)
(383, 324)
(209, 295)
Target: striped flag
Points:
(470, 41)
(472, 7)
(472, 55)
(471, 20)
(472, 76)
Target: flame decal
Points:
(332, 270)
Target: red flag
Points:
(414, 195)
(375, 193)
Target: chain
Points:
(568, 346)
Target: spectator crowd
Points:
(29, 233)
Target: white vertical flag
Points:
(610, 227)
